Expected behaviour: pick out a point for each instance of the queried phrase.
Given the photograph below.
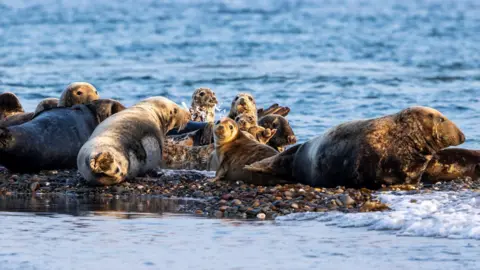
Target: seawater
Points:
(330, 61)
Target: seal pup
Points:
(451, 164)
(394, 149)
(52, 139)
(130, 142)
(183, 157)
(9, 105)
(247, 122)
(284, 135)
(203, 105)
(23, 117)
(78, 93)
(234, 150)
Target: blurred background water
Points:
(330, 61)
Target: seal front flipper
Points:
(280, 165)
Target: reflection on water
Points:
(118, 206)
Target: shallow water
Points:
(329, 61)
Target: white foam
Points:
(436, 214)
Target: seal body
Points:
(23, 117)
(78, 93)
(453, 163)
(51, 140)
(394, 149)
(234, 150)
(203, 105)
(129, 143)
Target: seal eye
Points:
(79, 93)
(442, 119)
(217, 123)
(231, 127)
(171, 112)
(430, 115)
(175, 111)
(202, 94)
(236, 98)
(238, 118)
(251, 99)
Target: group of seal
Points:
(109, 143)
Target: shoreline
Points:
(190, 192)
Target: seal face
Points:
(451, 164)
(78, 93)
(243, 103)
(393, 149)
(40, 145)
(9, 105)
(233, 150)
(284, 135)
(129, 143)
(203, 105)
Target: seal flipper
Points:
(274, 109)
(280, 165)
(103, 163)
(9, 104)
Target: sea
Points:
(330, 61)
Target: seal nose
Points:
(292, 139)
(242, 101)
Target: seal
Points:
(130, 142)
(78, 93)
(23, 117)
(234, 150)
(203, 105)
(394, 149)
(284, 135)
(451, 164)
(52, 139)
(9, 105)
(243, 103)
(247, 122)
(183, 157)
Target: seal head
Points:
(78, 93)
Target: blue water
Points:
(330, 61)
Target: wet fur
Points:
(453, 163)
(133, 137)
(394, 149)
(51, 140)
(284, 135)
(78, 93)
(203, 105)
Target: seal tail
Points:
(6, 138)
(102, 163)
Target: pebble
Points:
(34, 186)
(347, 200)
(261, 216)
(237, 202)
(294, 205)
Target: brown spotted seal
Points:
(451, 164)
(243, 103)
(52, 139)
(203, 105)
(78, 93)
(284, 135)
(130, 142)
(234, 150)
(393, 149)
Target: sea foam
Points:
(434, 214)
